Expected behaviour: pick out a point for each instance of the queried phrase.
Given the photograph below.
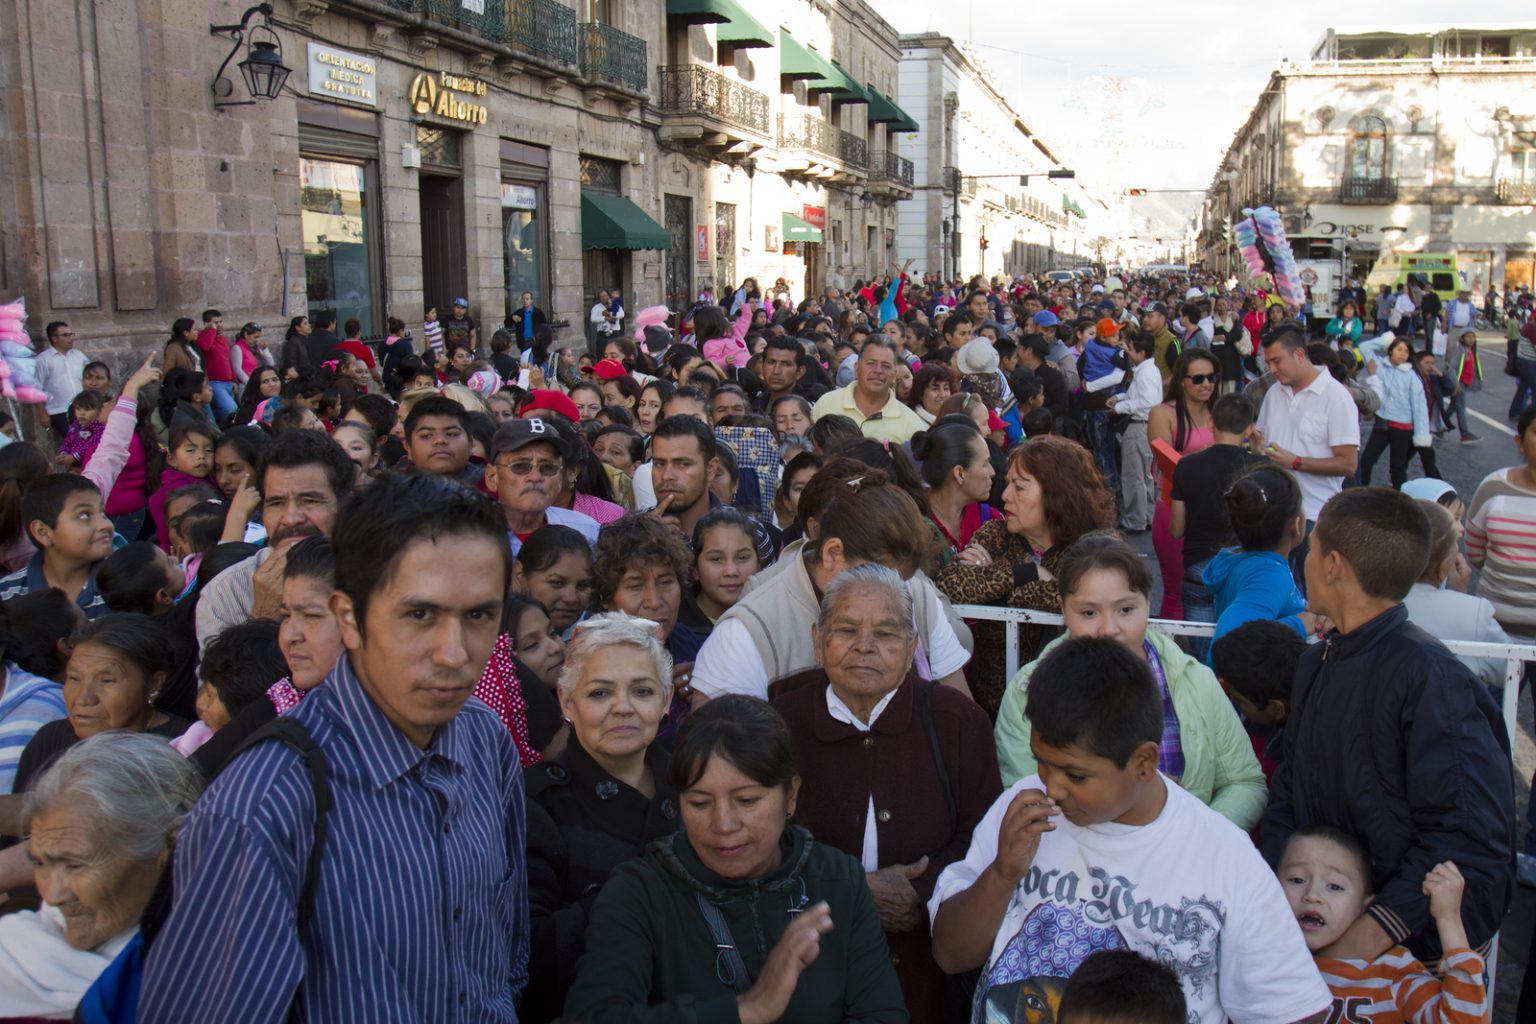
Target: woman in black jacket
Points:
(601, 800)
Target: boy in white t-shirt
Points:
(1100, 852)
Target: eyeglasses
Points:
(1204, 378)
(523, 467)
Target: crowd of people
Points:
(511, 679)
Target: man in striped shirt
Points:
(420, 908)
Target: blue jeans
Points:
(1457, 404)
(1104, 444)
(1525, 370)
(129, 524)
(1199, 605)
(223, 399)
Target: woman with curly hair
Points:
(642, 567)
(1054, 495)
(931, 388)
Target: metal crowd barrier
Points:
(1513, 655)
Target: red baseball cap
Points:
(554, 401)
(608, 369)
(994, 423)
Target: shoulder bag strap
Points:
(925, 709)
(730, 968)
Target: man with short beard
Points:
(303, 479)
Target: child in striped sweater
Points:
(1325, 874)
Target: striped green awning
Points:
(798, 230)
(742, 30)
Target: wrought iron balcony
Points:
(1517, 191)
(852, 150)
(543, 28)
(488, 22)
(804, 131)
(694, 89)
(895, 167)
(1368, 190)
(618, 58)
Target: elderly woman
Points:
(1054, 495)
(100, 821)
(114, 677)
(897, 771)
(601, 800)
(740, 916)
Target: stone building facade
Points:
(1393, 139)
(426, 150)
(974, 149)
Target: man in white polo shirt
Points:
(1308, 424)
(870, 400)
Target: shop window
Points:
(521, 230)
(336, 199)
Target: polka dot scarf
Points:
(501, 691)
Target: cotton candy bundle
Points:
(18, 376)
(650, 316)
(1260, 237)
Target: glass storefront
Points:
(336, 198)
(520, 233)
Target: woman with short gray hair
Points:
(100, 822)
(601, 800)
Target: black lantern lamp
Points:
(866, 199)
(263, 68)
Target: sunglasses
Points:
(1204, 378)
(523, 467)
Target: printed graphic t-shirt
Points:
(1189, 891)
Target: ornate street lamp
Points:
(262, 68)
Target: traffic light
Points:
(1135, 191)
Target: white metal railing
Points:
(1513, 655)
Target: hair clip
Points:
(853, 485)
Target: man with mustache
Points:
(303, 479)
(527, 458)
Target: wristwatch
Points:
(1296, 465)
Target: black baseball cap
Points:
(515, 435)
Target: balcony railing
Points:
(1518, 191)
(852, 150)
(484, 19)
(1368, 190)
(694, 89)
(803, 131)
(608, 55)
(543, 28)
(895, 167)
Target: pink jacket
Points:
(732, 351)
(111, 455)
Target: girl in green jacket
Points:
(1106, 591)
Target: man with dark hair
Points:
(870, 401)
(59, 368)
(1120, 986)
(1390, 737)
(1033, 351)
(1165, 343)
(727, 401)
(1180, 878)
(437, 440)
(1137, 496)
(303, 478)
(323, 336)
(418, 904)
(1199, 508)
(784, 373)
(217, 363)
(1308, 423)
(1256, 665)
(683, 462)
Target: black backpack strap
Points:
(925, 709)
(291, 733)
(730, 968)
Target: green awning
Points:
(796, 61)
(882, 110)
(743, 30)
(613, 222)
(701, 12)
(797, 230)
(840, 85)
(1069, 205)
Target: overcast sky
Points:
(1149, 95)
